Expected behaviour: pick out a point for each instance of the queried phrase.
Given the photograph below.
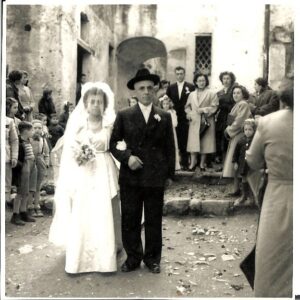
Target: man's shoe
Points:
(15, 219)
(154, 268)
(128, 268)
(25, 217)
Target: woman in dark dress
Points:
(46, 105)
(226, 103)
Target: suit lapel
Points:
(151, 124)
(139, 118)
(176, 92)
(183, 90)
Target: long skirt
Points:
(274, 246)
(228, 170)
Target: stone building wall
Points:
(49, 50)
(281, 51)
(33, 40)
(237, 39)
(118, 38)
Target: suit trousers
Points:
(132, 200)
(182, 131)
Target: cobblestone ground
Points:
(201, 258)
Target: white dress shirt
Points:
(146, 110)
(180, 87)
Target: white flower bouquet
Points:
(85, 154)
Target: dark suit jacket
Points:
(153, 143)
(179, 104)
(264, 104)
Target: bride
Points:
(86, 197)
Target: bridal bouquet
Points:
(85, 154)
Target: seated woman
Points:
(233, 132)
(201, 103)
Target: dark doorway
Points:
(81, 56)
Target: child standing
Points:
(41, 153)
(63, 118)
(167, 105)
(26, 179)
(132, 101)
(11, 151)
(239, 161)
(56, 131)
(11, 111)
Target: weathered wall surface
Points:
(164, 38)
(39, 50)
(237, 41)
(281, 61)
(49, 51)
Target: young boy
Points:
(41, 153)
(26, 175)
(56, 131)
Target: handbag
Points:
(230, 119)
(204, 125)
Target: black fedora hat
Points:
(142, 74)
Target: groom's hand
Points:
(134, 163)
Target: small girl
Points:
(63, 118)
(239, 161)
(167, 105)
(11, 111)
(132, 101)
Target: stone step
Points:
(179, 206)
(184, 205)
(208, 177)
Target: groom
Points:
(147, 166)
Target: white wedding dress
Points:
(86, 200)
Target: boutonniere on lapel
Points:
(121, 145)
(187, 90)
(157, 117)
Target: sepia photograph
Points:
(147, 150)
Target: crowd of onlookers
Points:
(31, 133)
(215, 128)
(209, 129)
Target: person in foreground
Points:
(273, 145)
(142, 140)
(86, 201)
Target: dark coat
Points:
(179, 104)
(265, 103)
(13, 92)
(240, 153)
(47, 107)
(63, 119)
(153, 143)
(56, 132)
(226, 104)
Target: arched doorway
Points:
(131, 54)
